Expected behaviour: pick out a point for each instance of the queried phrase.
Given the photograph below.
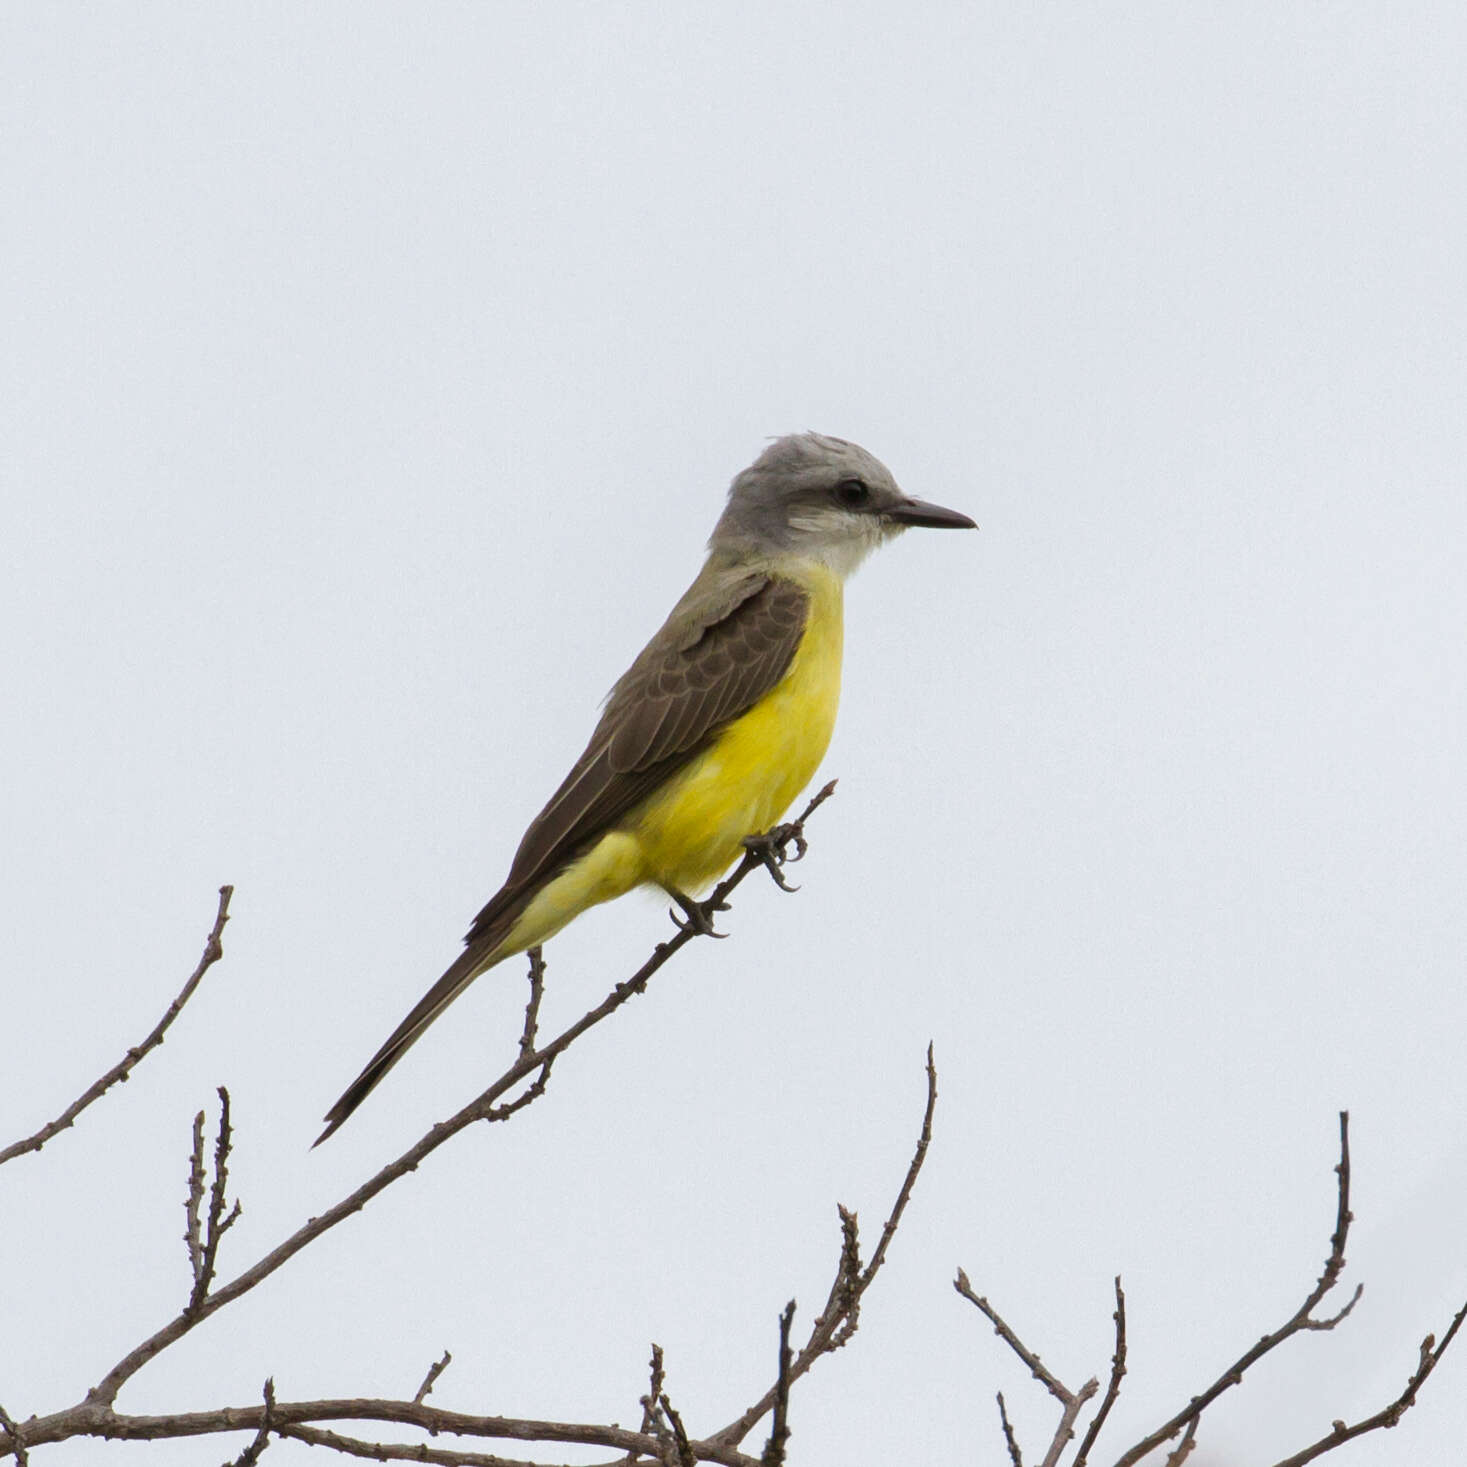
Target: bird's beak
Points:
(934, 516)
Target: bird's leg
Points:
(699, 914)
(769, 848)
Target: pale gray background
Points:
(371, 378)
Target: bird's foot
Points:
(699, 914)
(770, 849)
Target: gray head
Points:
(820, 498)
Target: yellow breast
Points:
(691, 831)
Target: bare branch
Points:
(1010, 1440)
(1301, 1320)
(296, 1418)
(528, 1096)
(205, 1255)
(1186, 1421)
(486, 1107)
(845, 1293)
(684, 1448)
(779, 1431)
(832, 1327)
(434, 1371)
(251, 1454)
(351, 1446)
(1071, 1402)
(1184, 1447)
(1036, 1367)
(1332, 1320)
(1064, 1433)
(96, 1415)
(193, 1204)
(654, 1390)
(532, 1008)
(213, 951)
(1339, 1434)
(1113, 1387)
(924, 1140)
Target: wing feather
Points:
(726, 644)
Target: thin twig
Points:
(828, 1332)
(845, 1289)
(649, 1401)
(1010, 1440)
(217, 1223)
(434, 1371)
(1113, 1386)
(779, 1430)
(193, 1234)
(924, 1140)
(251, 1454)
(685, 1454)
(1064, 1433)
(483, 1107)
(1184, 1447)
(1336, 1318)
(1301, 1320)
(532, 1007)
(213, 951)
(1071, 1402)
(1339, 1434)
(528, 1096)
(1037, 1368)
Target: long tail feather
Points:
(458, 977)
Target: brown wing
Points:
(722, 649)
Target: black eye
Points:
(852, 493)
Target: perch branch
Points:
(485, 1107)
(96, 1414)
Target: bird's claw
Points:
(699, 915)
(770, 849)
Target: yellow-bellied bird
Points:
(713, 730)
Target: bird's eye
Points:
(852, 493)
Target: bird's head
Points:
(823, 499)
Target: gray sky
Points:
(372, 379)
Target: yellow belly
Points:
(691, 831)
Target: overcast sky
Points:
(372, 378)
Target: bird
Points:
(714, 729)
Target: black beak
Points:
(934, 516)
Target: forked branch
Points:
(1184, 1423)
(204, 1234)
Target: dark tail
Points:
(458, 977)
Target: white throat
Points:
(839, 541)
